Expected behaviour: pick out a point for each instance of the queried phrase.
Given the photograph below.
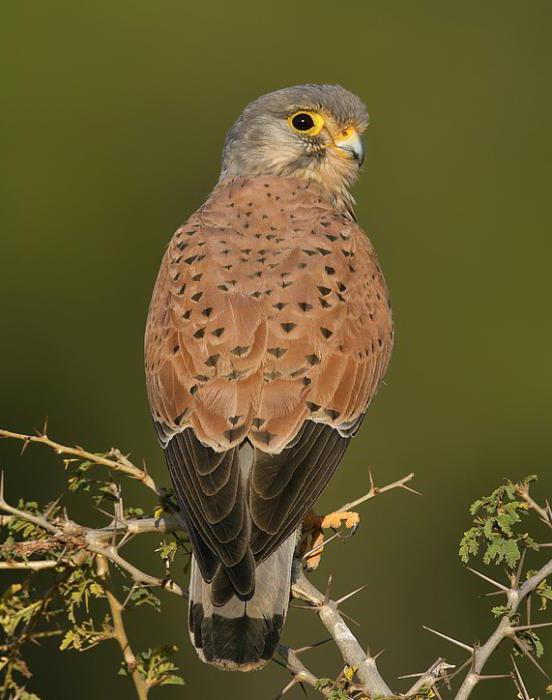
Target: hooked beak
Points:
(349, 143)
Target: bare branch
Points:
(119, 632)
(376, 490)
(353, 654)
(504, 630)
(114, 459)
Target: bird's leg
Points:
(312, 542)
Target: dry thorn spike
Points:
(409, 488)
(320, 546)
(493, 593)
(348, 617)
(286, 688)
(459, 670)
(518, 680)
(350, 595)
(450, 639)
(431, 669)
(522, 628)
(494, 677)
(312, 646)
(498, 585)
(517, 577)
(521, 645)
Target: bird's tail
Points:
(242, 636)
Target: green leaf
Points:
(500, 610)
(140, 595)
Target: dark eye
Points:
(302, 121)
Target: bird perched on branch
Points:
(268, 334)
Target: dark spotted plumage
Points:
(268, 334)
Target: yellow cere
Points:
(300, 123)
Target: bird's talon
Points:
(312, 544)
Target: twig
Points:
(32, 565)
(351, 651)
(376, 490)
(114, 459)
(119, 632)
(87, 539)
(504, 630)
(299, 671)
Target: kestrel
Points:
(268, 334)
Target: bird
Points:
(268, 334)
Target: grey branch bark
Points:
(76, 542)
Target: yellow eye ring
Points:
(306, 123)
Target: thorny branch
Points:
(59, 543)
(119, 631)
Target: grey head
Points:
(307, 131)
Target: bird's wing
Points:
(269, 321)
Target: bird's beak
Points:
(349, 143)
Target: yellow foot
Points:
(312, 544)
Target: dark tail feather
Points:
(241, 635)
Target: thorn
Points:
(409, 488)
(411, 675)
(348, 617)
(45, 427)
(371, 477)
(130, 592)
(521, 628)
(431, 669)
(492, 593)
(104, 512)
(286, 688)
(302, 686)
(494, 677)
(458, 671)
(328, 586)
(312, 646)
(450, 639)
(2, 499)
(376, 657)
(521, 645)
(350, 595)
(518, 680)
(517, 578)
(320, 546)
(488, 579)
(125, 538)
(62, 554)
(26, 444)
(52, 506)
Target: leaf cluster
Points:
(496, 532)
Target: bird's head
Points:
(307, 131)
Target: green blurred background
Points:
(113, 118)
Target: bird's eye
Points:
(308, 123)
